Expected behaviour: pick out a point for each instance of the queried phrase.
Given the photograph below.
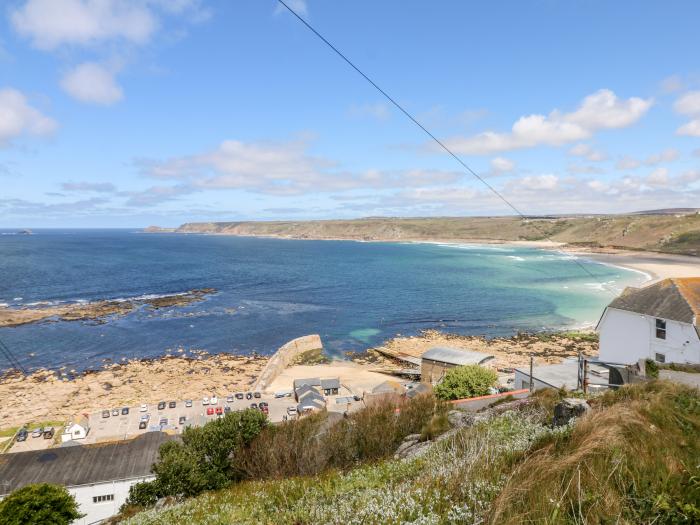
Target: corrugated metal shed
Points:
(674, 299)
(81, 465)
(456, 356)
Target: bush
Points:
(466, 381)
(39, 504)
(202, 461)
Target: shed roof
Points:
(564, 374)
(330, 383)
(311, 381)
(389, 386)
(674, 299)
(81, 465)
(456, 356)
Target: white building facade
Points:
(658, 322)
(99, 501)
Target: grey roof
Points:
(420, 388)
(388, 387)
(674, 299)
(564, 374)
(456, 356)
(310, 402)
(82, 464)
(304, 390)
(312, 381)
(330, 383)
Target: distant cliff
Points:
(671, 233)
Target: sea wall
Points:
(285, 356)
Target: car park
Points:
(182, 420)
(239, 395)
(22, 434)
(172, 404)
(115, 412)
(161, 405)
(188, 403)
(49, 432)
(125, 411)
(105, 413)
(256, 395)
(144, 408)
(37, 432)
(214, 400)
(229, 399)
(219, 411)
(205, 401)
(210, 411)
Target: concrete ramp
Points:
(284, 356)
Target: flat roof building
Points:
(438, 360)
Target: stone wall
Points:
(285, 356)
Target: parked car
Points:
(49, 432)
(210, 411)
(163, 421)
(125, 411)
(213, 400)
(229, 399)
(263, 404)
(144, 408)
(248, 395)
(256, 395)
(143, 424)
(172, 404)
(115, 412)
(182, 420)
(227, 410)
(145, 417)
(239, 395)
(161, 405)
(105, 413)
(22, 434)
(254, 405)
(37, 432)
(205, 400)
(292, 411)
(219, 411)
(188, 403)
(264, 409)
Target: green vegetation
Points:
(686, 243)
(631, 460)
(11, 431)
(311, 357)
(588, 336)
(651, 368)
(202, 461)
(40, 504)
(466, 381)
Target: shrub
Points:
(651, 368)
(466, 381)
(39, 504)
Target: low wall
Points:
(284, 357)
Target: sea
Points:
(354, 294)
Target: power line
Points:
(14, 362)
(433, 137)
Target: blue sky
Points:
(137, 112)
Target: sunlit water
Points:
(271, 290)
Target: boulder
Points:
(459, 418)
(569, 408)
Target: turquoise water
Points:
(271, 290)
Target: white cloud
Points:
(92, 83)
(588, 152)
(688, 104)
(537, 182)
(658, 177)
(600, 110)
(99, 187)
(691, 129)
(667, 155)
(627, 163)
(17, 117)
(500, 165)
(672, 84)
(52, 23)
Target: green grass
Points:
(10, 431)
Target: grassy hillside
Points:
(632, 459)
(665, 233)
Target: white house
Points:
(658, 322)
(76, 430)
(98, 476)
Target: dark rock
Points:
(569, 408)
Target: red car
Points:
(210, 411)
(219, 411)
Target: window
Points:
(660, 358)
(660, 329)
(102, 499)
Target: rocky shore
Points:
(97, 310)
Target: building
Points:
(562, 375)
(98, 476)
(438, 360)
(330, 387)
(658, 322)
(309, 399)
(76, 430)
(311, 381)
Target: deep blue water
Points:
(272, 290)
